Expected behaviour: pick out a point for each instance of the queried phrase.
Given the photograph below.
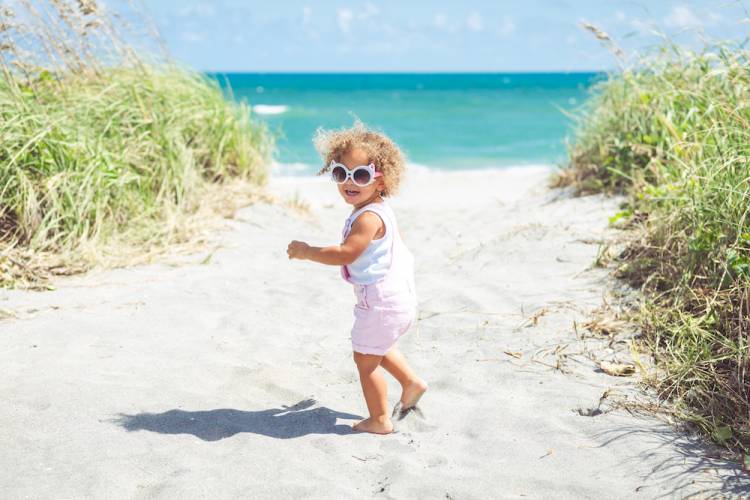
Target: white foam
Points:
(294, 169)
(270, 109)
(421, 169)
(300, 169)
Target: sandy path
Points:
(234, 378)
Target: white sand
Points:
(181, 381)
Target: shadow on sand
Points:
(212, 425)
(696, 466)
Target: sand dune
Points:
(234, 378)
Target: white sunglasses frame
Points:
(350, 173)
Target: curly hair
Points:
(380, 150)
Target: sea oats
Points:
(671, 133)
(604, 37)
(87, 7)
(87, 90)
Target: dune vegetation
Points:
(672, 133)
(107, 153)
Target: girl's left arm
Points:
(362, 233)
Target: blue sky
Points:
(470, 35)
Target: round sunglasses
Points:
(362, 176)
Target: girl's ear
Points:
(381, 185)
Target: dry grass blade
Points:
(558, 355)
(605, 325)
(108, 151)
(603, 37)
(617, 369)
(533, 319)
(670, 132)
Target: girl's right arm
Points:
(362, 233)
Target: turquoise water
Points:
(446, 121)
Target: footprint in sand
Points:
(410, 419)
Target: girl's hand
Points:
(297, 249)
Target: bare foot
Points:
(374, 426)
(411, 394)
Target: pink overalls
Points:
(386, 308)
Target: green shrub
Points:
(673, 134)
(90, 155)
(101, 149)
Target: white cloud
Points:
(620, 16)
(642, 26)
(345, 17)
(440, 20)
(474, 21)
(369, 11)
(306, 15)
(198, 10)
(308, 27)
(507, 26)
(682, 17)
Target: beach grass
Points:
(103, 153)
(672, 133)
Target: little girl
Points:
(367, 167)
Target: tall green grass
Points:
(673, 134)
(96, 154)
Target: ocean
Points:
(441, 121)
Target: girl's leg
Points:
(412, 386)
(375, 389)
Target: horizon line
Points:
(418, 72)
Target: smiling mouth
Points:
(351, 192)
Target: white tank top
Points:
(373, 264)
